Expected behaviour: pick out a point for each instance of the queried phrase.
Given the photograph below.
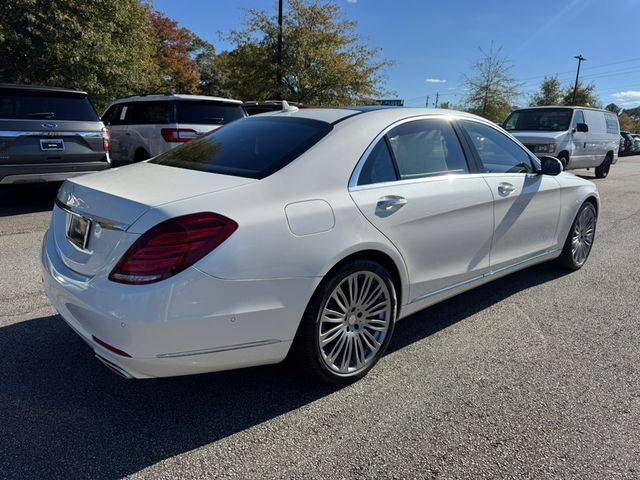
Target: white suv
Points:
(145, 126)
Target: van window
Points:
(145, 113)
(578, 117)
(612, 123)
(543, 119)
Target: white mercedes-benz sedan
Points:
(305, 233)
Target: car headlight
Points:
(545, 148)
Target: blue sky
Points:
(434, 43)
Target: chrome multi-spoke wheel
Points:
(580, 239)
(348, 323)
(582, 235)
(354, 322)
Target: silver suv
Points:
(49, 134)
(145, 126)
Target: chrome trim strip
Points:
(485, 275)
(114, 368)
(426, 179)
(48, 133)
(103, 222)
(226, 348)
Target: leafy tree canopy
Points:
(324, 60)
(103, 47)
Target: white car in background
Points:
(580, 137)
(145, 126)
(303, 232)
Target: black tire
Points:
(568, 258)
(564, 160)
(306, 351)
(603, 170)
(140, 156)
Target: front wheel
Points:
(348, 323)
(580, 239)
(603, 170)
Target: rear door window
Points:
(253, 147)
(424, 148)
(207, 112)
(34, 105)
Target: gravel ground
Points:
(532, 376)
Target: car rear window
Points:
(253, 147)
(30, 105)
(207, 112)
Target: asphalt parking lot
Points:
(536, 375)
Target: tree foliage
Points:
(612, 107)
(585, 96)
(628, 123)
(550, 93)
(103, 47)
(324, 59)
(492, 90)
(179, 72)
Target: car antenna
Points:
(288, 108)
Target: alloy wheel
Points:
(582, 238)
(354, 322)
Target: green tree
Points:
(325, 62)
(550, 93)
(584, 95)
(492, 90)
(612, 107)
(103, 47)
(628, 124)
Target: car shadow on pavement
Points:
(63, 415)
(19, 199)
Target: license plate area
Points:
(52, 144)
(78, 230)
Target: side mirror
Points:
(550, 165)
(582, 127)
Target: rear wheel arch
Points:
(377, 256)
(563, 156)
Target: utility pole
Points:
(580, 59)
(426, 104)
(279, 73)
(437, 95)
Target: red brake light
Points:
(172, 246)
(106, 139)
(178, 135)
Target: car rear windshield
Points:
(253, 147)
(208, 112)
(33, 105)
(544, 119)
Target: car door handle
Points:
(391, 202)
(505, 188)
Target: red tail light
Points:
(106, 139)
(178, 135)
(172, 246)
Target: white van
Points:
(580, 137)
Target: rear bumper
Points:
(191, 323)
(50, 172)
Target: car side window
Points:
(578, 117)
(110, 115)
(424, 148)
(144, 113)
(378, 167)
(497, 152)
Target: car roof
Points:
(176, 96)
(335, 115)
(40, 88)
(571, 107)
